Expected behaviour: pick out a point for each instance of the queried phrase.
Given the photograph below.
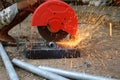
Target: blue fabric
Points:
(7, 15)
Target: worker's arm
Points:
(7, 15)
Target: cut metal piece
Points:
(46, 51)
(50, 36)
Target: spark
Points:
(111, 29)
(74, 41)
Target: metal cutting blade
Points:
(49, 36)
(55, 19)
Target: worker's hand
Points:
(32, 2)
(23, 5)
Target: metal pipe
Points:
(37, 71)
(8, 65)
(74, 75)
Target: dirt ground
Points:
(100, 50)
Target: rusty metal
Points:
(44, 50)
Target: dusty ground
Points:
(98, 48)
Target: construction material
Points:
(8, 65)
(43, 50)
(74, 75)
(37, 71)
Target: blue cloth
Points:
(7, 15)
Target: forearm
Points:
(25, 4)
(22, 5)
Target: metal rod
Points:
(8, 65)
(74, 75)
(37, 71)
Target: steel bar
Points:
(8, 65)
(37, 71)
(74, 75)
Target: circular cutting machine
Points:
(55, 19)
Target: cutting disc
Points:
(55, 19)
(50, 36)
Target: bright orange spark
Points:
(74, 41)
